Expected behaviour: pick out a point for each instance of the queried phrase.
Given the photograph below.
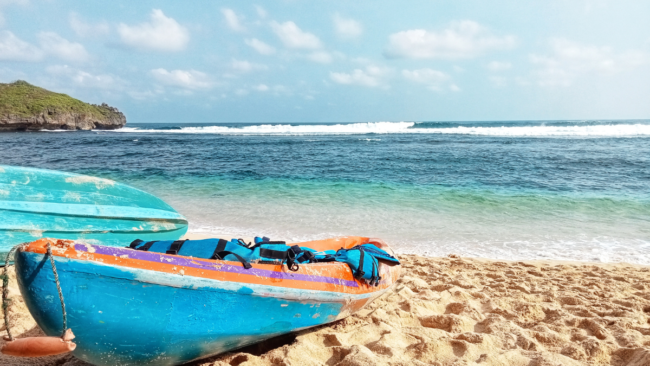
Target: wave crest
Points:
(612, 130)
(288, 129)
(604, 130)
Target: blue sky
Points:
(336, 61)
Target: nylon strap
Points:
(146, 246)
(273, 254)
(291, 259)
(176, 247)
(135, 243)
(221, 246)
(306, 257)
(360, 271)
(268, 242)
(243, 261)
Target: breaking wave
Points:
(592, 130)
(291, 129)
(611, 130)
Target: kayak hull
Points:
(37, 203)
(159, 310)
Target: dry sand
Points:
(457, 311)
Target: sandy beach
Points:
(461, 311)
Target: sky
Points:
(336, 61)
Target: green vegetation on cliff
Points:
(24, 100)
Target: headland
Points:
(25, 107)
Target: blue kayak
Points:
(38, 203)
(133, 307)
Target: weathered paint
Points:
(37, 203)
(137, 308)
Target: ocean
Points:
(562, 190)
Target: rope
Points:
(58, 287)
(5, 290)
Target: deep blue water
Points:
(514, 190)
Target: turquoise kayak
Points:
(39, 203)
(135, 307)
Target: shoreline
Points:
(460, 311)
(536, 262)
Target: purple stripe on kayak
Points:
(187, 262)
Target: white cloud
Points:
(462, 40)
(496, 66)
(85, 79)
(433, 79)
(85, 29)
(13, 48)
(260, 46)
(4, 3)
(361, 60)
(498, 81)
(260, 11)
(246, 66)
(11, 2)
(320, 57)
(261, 88)
(347, 27)
(232, 20)
(570, 60)
(160, 34)
(101, 81)
(293, 37)
(186, 79)
(60, 47)
(372, 76)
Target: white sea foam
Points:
(605, 250)
(603, 130)
(286, 129)
(610, 130)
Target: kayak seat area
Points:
(363, 259)
(189, 248)
(262, 250)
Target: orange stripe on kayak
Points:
(65, 248)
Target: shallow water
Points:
(577, 190)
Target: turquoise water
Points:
(575, 190)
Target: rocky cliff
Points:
(27, 107)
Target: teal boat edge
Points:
(37, 203)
